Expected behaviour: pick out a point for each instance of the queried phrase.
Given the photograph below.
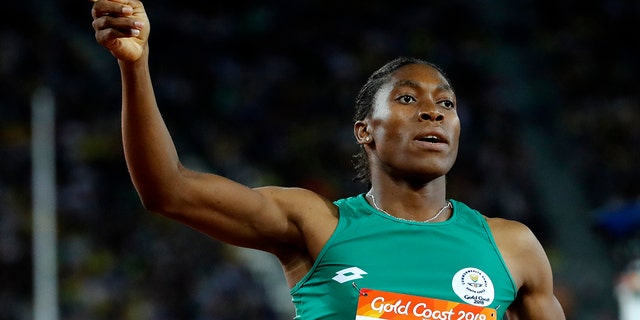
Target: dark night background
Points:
(263, 93)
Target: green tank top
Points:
(455, 260)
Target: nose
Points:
(430, 115)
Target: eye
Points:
(406, 99)
(447, 104)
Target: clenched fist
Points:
(122, 26)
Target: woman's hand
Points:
(122, 26)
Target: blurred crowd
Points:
(263, 93)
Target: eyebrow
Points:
(415, 84)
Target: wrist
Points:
(141, 62)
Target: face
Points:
(414, 127)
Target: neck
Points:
(409, 203)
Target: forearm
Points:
(149, 151)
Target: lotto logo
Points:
(349, 274)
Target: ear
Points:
(360, 132)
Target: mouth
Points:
(432, 138)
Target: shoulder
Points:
(516, 231)
(511, 236)
(524, 255)
(303, 207)
(311, 214)
(312, 220)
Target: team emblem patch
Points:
(473, 286)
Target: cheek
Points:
(389, 127)
(393, 134)
(456, 129)
(455, 136)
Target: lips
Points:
(432, 140)
(432, 137)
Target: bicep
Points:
(233, 213)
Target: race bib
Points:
(382, 305)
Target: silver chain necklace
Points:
(373, 200)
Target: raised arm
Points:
(266, 218)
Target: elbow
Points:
(152, 202)
(164, 194)
(156, 202)
(156, 195)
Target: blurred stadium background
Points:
(263, 93)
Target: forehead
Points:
(419, 75)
